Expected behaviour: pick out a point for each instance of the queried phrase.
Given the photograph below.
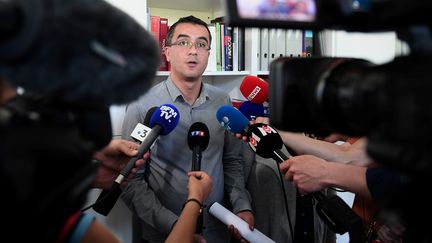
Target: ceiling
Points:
(195, 5)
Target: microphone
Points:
(232, 119)
(251, 110)
(141, 131)
(162, 122)
(198, 140)
(99, 69)
(254, 89)
(339, 217)
(108, 197)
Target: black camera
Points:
(355, 15)
(387, 103)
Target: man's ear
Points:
(167, 53)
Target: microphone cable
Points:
(285, 202)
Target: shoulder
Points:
(217, 93)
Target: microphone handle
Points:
(196, 166)
(279, 156)
(144, 147)
(196, 158)
(107, 199)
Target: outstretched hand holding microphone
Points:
(163, 120)
(265, 141)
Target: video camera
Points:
(352, 15)
(388, 103)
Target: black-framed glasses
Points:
(199, 45)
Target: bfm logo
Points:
(255, 139)
(167, 112)
(197, 134)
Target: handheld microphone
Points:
(232, 119)
(162, 122)
(267, 143)
(108, 197)
(252, 110)
(254, 89)
(141, 131)
(198, 140)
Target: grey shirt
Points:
(158, 192)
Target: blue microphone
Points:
(163, 120)
(251, 110)
(232, 119)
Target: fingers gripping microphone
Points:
(339, 217)
(198, 140)
(232, 119)
(254, 89)
(108, 197)
(162, 122)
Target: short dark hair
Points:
(189, 19)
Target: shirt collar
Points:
(175, 93)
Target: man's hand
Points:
(306, 172)
(246, 216)
(113, 159)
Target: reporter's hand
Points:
(113, 159)
(306, 172)
(199, 238)
(200, 185)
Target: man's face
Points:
(188, 62)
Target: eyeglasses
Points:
(199, 45)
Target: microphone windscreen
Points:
(254, 89)
(86, 52)
(167, 116)
(149, 115)
(232, 119)
(198, 135)
(251, 110)
(264, 139)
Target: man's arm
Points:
(138, 196)
(310, 174)
(353, 154)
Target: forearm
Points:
(354, 154)
(347, 177)
(142, 200)
(184, 229)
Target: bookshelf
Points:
(208, 10)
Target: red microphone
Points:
(254, 89)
